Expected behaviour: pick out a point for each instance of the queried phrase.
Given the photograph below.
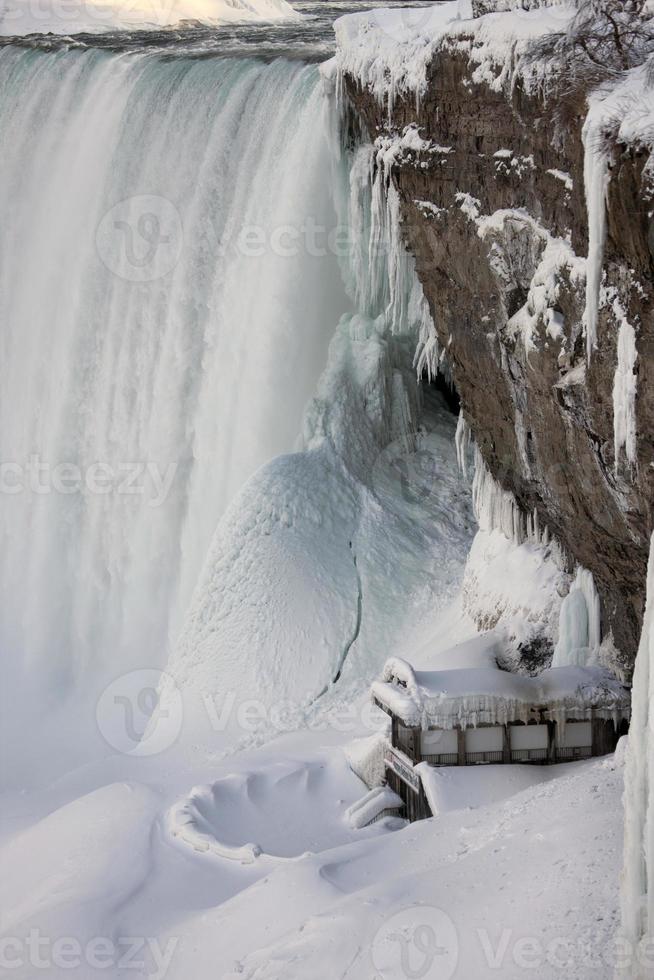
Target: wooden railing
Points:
(474, 758)
(528, 755)
(442, 759)
(574, 752)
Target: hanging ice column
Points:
(637, 900)
(596, 180)
(579, 623)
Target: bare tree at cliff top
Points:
(603, 39)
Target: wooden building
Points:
(483, 716)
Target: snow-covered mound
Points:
(469, 787)
(21, 17)
(379, 802)
(283, 811)
(551, 853)
(90, 853)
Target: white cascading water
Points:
(185, 329)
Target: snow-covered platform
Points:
(484, 715)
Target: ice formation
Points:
(389, 51)
(489, 696)
(305, 534)
(637, 897)
(496, 509)
(596, 182)
(621, 113)
(514, 230)
(624, 387)
(579, 623)
(19, 17)
(462, 440)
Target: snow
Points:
(515, 589)
(496, 43)
(550, 851)
(487, 695)
(21, 17)
(637, 896)
(273, 814)
(231, 849)
(451, 788)
(619, 113)
(552, 259)
(368, 809)
(469, 205)
(365, 757)
(564, 177)
(388, 50)
(407, 146)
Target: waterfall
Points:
(166, 301)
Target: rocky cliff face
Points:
(493, 208)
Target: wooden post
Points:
(415, 744)
(506, 745)
(461, 746)
(551, 742)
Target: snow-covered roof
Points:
(487, 695)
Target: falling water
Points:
(165, 316)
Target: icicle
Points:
(624, 395)
(462, 443)
(495, 508)
(637, 897)
(596, 179)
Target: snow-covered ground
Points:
(516, 876)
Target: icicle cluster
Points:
(496, 509)
(382, 272)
